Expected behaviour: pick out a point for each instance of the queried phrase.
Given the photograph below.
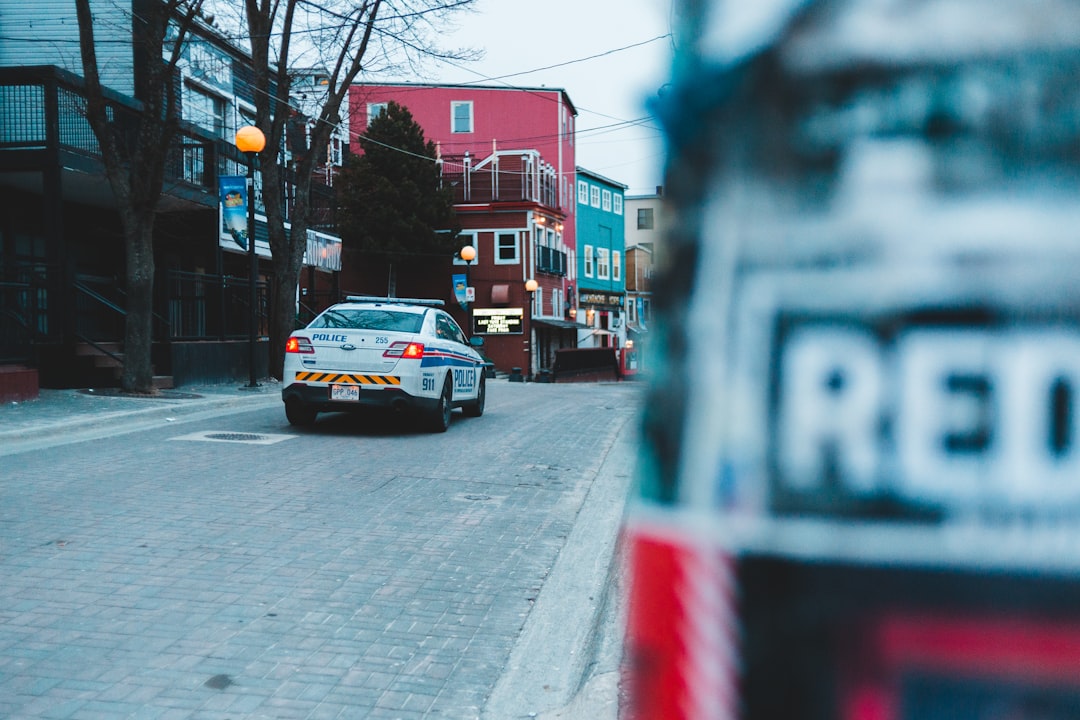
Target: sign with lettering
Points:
(590, 297)
(497, 321)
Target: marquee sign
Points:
(497, 321)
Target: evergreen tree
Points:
(391, 200)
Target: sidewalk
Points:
(58, 416)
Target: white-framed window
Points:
(603, 267)
(208, 112)
(556, 303)
(205, 110)
(467, 239)
(594, 196)
(583, 192)
(616, 264)
(461, 116)
(618, 204)
(506, 248)
(606, 204)
(373, 111)
(538, 302)
(588, 261)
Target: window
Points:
(616, 264)
(208, 112)
(205, 110)
(467, 239)
(374, 110)
(607, 201)
(645, 219)
(447, 329)
(602, 263)
(357, 319)
(618, 204)
(461, 117)
(594, 196)
(588, 261)
(506, 248)
(583, 192)
(538, 302)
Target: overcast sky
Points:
(554, 43)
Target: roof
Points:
(601, 178)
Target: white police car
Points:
(401, 354)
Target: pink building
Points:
(509, 154)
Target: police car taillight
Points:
(298, 345)
(405, 350)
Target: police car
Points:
(400, 354)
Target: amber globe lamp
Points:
(250, 139)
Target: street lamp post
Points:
(250, 141)
(530, 287)
(468, 254)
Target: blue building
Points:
(601, 242)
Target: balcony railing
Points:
(550, 260)
(45, 107)
(503, 176)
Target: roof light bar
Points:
(395, 300)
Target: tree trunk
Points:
(287, 269)
(138, 374)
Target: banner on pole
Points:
(233, 192)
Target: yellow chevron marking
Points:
(347, 378)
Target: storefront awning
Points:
(561, 324)
(640, 330)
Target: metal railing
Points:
(213, 307)
(550, 260)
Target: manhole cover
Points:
(235, 437)
(226, 436)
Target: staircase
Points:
(103, 364)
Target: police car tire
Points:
(476, 407)
(439, 420)
(297, 413)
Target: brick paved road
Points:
(355, 571)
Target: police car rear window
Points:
(369, 319)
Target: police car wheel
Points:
(439, 420)
(476, 407)
(297, 413)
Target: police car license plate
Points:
(345, 392)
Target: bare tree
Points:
(360, 36)
(134, 154)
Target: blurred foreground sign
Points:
(860, 478)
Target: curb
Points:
(556, 651)
(94, 425)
